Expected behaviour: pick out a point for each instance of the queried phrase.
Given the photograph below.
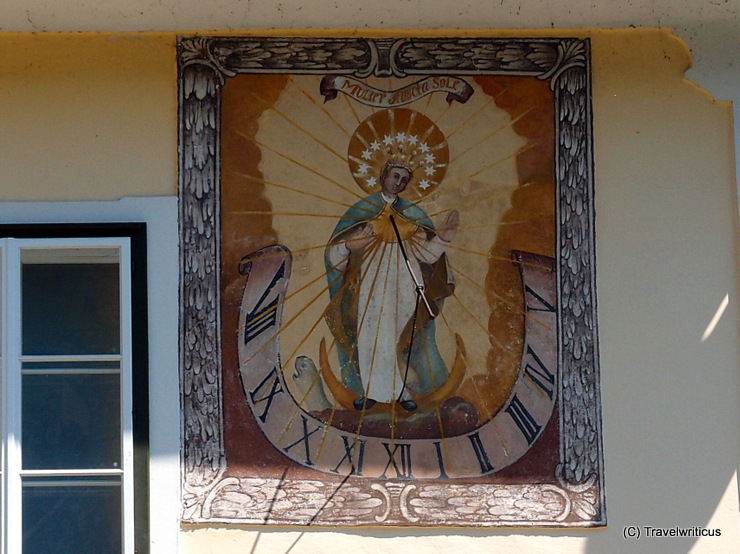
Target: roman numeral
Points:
(271, 382)
(542, 305)
(349, 450)
(440, 461)
(262, 317)
(523, 419)
(539, 374)
(480, 453)
(304, 440)
(403, 470)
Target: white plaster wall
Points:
(710, 27)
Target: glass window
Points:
(84, 317)
(66, 361)
(72, 515)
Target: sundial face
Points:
(389, 302)
(348, 321)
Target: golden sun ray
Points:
(461, 180)
(489, 135)
(352, 109)
(293, 319)
(476, 284)
(291, 189)
(428, 103)
(495, 258)
(274, 308)
(490, 100)
(289, 297)
(320, 106)
(376, 248)
(297, 125)
(301, 214)
(373, 250)
(467, 202)
(484, 328)
(299, 164)
(438, 407)
(482, 401)
(372, 357)
(493, 224)
(332, 413)
(321, 245)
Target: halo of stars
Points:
(399, 135)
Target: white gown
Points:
(387, 300)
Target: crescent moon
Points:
(346, 397)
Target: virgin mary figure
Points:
(377, 252)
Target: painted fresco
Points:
(388, 312)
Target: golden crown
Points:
(397, 156)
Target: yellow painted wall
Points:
(94, 117)
(87, 116)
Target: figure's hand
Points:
(447, 230)
(359, 238)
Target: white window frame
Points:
(12, 359)
(160, 216)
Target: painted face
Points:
(395, 181)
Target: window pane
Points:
(71, 421)
(72, 519)
(78, 366)
(71, 309)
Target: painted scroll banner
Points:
(457, 90)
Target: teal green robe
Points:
(341, 317)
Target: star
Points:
(424, 184)
(371, 182)
(412, 139)
(375, 145)
(363, 169)
(424, 148)
(388, 140)
(429, 170)
(366, 155)
(429, 158)
(400, 137)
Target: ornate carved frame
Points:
(204, 65)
